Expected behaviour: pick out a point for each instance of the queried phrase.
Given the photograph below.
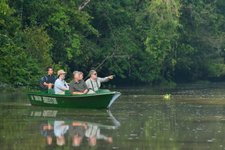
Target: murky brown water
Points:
(194, 118)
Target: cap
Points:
(61, 72)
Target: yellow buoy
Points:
(167, 96)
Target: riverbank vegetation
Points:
(138, 40)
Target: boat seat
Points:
(102, 91)
(67, 92)
(51, 91)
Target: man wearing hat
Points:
(60, 84)
(60, 129)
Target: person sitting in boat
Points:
(47, 82)
(94, 82)
(60, 84)
(77, 131)
(93, 134)
(77, 85)
(47, 132)
(60, 129)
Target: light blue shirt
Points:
(60, 128)
(60, 86)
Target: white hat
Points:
(61, 72)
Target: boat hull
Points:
(89, 101)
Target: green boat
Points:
(85, 116)
(99, 100)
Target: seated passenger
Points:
(60, 129)
(47, 82)
(77, 85)
(93, 133)
(60, 84)
(94, 82)
(77, 131)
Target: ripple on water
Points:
(211, 140)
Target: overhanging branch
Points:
(83, 4)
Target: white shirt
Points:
(95, 85)
(60, 128)
(59, 86)
(94, 131)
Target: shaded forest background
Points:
(150, 41)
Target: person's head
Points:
(47, 131)
(81, 76)
(61, 74)
(76, 75)
(109, 140)
(49, 140)
(93, 74)
(76, 141)
(50, 70)
(60, 140)
(92, 141)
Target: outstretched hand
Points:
(110, 77)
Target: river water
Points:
(141, 119)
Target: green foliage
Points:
(17, 68)
(36, 43)
(142, 41)
(162, 36)
(216, 70)
(22, 51)
(201, 42)
(8, 23)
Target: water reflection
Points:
(192, 119)
(73, 132)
